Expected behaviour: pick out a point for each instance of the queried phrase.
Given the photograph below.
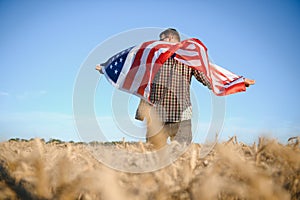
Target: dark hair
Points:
(170, 31)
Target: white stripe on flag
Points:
(203, 54)
(204, 58)
(127, 64)
(138, 78)
(186, 53)
(142, 68)
(239, 80)
(191, 46)
(155, 57)
(193, 63)
(229, 75)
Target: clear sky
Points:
(43, 44)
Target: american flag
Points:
(133, 69)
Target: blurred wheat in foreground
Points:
(57, 170)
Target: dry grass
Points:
(38, 170)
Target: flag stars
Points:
(115, 65)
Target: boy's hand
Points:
(99, 68)
(249, 82)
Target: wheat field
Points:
(36, 169)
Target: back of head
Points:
(170, 32)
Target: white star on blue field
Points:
(114, 65)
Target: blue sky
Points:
(44, 44)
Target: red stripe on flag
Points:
(202, 67)
(149, 60)
(219, 74)
(135, 65)
(157, 63)
(199, 42)
(239, 87)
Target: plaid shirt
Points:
(170, 91)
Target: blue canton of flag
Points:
(114, 65)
